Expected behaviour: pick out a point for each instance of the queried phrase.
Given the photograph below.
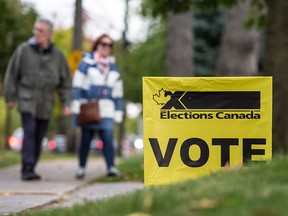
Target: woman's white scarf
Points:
(103, 63)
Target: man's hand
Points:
(66, 111)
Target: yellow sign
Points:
(73, 61)
(194, 126)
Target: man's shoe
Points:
(112, 172)
(80, 173)
(28, 176)
(37, 176)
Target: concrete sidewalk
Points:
(58, 187)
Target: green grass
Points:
(259, 189)
(15, 121)
(131, 168)
(9, 158)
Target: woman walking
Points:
(97, 78)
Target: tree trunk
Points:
(77, 30)
(125, 44)
(276, 65)
(73, 134)
(179, 59)
(125, 41)
(239, 49)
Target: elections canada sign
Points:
(195, 126)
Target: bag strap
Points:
(103, 89)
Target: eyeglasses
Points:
(110, 45)
(35, 30)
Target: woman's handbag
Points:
(89, 113)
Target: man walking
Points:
(35, 70)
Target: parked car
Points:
(135, 141)
(96, 145)
(16, 138)
(58, 143)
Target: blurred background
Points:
(154, 38)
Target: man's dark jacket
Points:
(33, 75)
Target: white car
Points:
(15, 140)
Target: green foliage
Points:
(162, 8)
(62, 39)
(131, 125)
(257, 15)
(15, 121)
(207, 27)
(16, 25)
(212, 4)
(145, 59)
(57, 121)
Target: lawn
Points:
(9, 157)
(259, 189)
(15, 121)
(132, 169)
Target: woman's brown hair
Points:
(98, 41)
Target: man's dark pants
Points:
(34, 131)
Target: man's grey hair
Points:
(47, 22)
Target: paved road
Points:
(58, 187)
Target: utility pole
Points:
(125, 44)
(77, 30)
(73, 134)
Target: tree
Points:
(73, 134)
(275, 56)
(16, 25)
(276, 65)
(147, 58)
(240, 46)
(77, 30)
(179, 56)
